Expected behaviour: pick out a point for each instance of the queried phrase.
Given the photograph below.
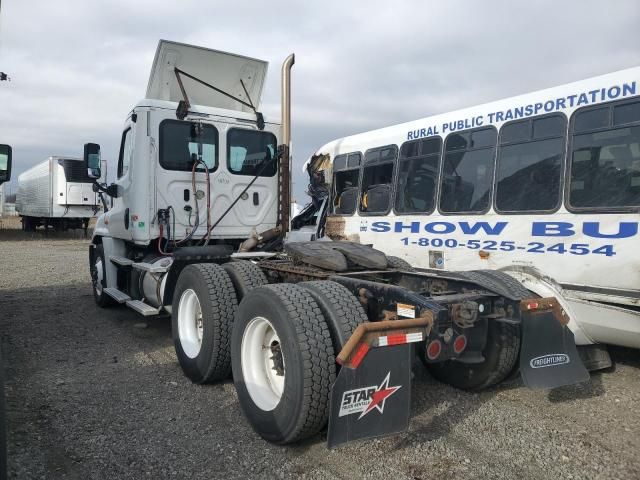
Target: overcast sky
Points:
(78, 66)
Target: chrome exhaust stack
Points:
(284, 172)
(286, 99)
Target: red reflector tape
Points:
(399, 339)
(361, 351)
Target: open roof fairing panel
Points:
(220, 69)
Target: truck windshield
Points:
(248, 150)
(178, 145)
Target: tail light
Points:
(459, 344)
(434, 349)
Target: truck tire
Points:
(341, 309)
(399, 263)
(98, 278)
(283, 389)
(245, 276)
(500, 359)
(202, 314)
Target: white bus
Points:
(543, 186)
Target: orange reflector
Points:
(459, 344)
(434, 349)
(359, 355)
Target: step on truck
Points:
(317, 333)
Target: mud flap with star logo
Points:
(374, 399)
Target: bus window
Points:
(605, 160)
(346, 174)
(529, 165)
(418, 175)
(467, 173)
(628, 113)
(377, 178)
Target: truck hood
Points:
(220, 69)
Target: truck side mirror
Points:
(92, 160)
(5, 163)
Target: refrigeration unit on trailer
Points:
(317, 332)
(544, 187)
(57, 193)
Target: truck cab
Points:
(196, 166)
(156, 170)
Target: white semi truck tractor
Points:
(316, 332)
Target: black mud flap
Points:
(373, 399)
(548, 356)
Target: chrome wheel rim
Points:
(190, 323)
(263, 363)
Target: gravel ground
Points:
(99, 394)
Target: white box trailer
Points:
(57, 193)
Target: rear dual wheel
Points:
(282, 345)
(283, 362)
(500, 354)
(245, 276)
(203, 310)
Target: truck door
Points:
(181, 143)
(119, 214)
(252, 154)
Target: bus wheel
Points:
(202, 313)
(500, 359)
(283, 362)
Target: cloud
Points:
(78, 67)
